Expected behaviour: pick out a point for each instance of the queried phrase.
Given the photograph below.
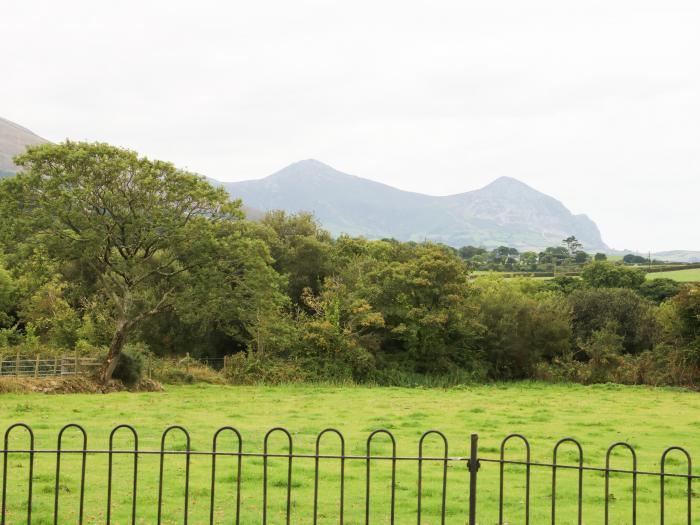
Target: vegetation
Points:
(648, 419)
(102, 250)
(686, 276)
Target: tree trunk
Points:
(115, 350)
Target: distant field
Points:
(649, 419)
(684, 276)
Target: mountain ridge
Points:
(13, 141)
(505, 211)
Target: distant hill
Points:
(505, 212)
(681, 256)
(13, 140)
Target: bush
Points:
(129, 367)
(633, 316)
(658, 290)
(602, 274)
(249, 369)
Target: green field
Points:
(683, 276)
(649, 419)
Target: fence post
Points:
(36, 367)
(55, 366)
(76, 362)
(473, 465)
(17, 364)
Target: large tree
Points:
(137, 229)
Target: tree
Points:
(520, 328)
(135, 226)
(602, 274)
(424, 295)
(301, 251)
(600, 257)
(633, 317)
(572, 245)
(554, 255)
(658, 290)
(581, 257)
(529, 260)
(631, 258)
(467, 252)
(8, 289)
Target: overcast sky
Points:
(596, 103)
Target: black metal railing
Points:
(469, 484)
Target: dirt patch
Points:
(72, 385)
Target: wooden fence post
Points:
(36, 367)
(17, 364)
(76, 362)
(55, 366)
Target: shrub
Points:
(248, 369)
(658, 290)
(633, 316)
(129, 367)
(602, 274)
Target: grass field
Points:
(649, 419)
(684, 276)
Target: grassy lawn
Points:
(649, 419)
(684, 276)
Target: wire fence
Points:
(351, 492)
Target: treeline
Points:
(109, 253)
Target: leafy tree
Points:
(633, 316)
(600, 257)
(566, 284)
(602, 274)
(603, 349)
(572, 245)
(504, 256)
(687, 305)
(8, 299)
(581, 257)
(467, 252)
(136, 226)
(658, 290)
(529, 260)
(301, 251)
(519, 328)
(424, 296)
(340, 336)
(631, 258)
(51, 315)
(554, 255)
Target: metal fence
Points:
(40, 366)
(468, 486)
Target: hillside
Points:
(13, 140)
(505, 212)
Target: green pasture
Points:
(683, 276)
(647, 418)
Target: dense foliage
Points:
(102, 250)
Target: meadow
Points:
(684, 276)
(650, 419)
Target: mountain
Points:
(13, 140)
(505, 212)
(681, 256)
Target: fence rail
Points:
(38, 366)
(471, 464)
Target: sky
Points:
(596, 103)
